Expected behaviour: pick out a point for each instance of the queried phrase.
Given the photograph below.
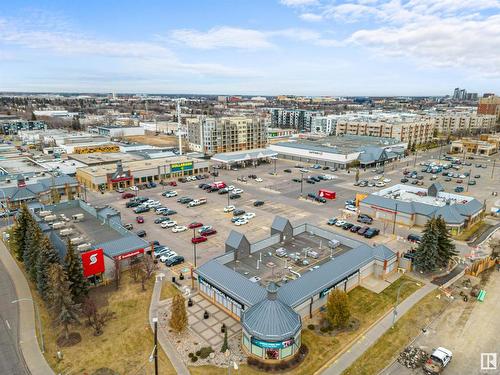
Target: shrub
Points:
(324, 329)
(198, 353)
(204, 352)
(312, 327)
(190, 355)
(194, 359)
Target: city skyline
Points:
(298, 47)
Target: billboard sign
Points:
(272, 344)
(93, 262)
(179, 167)
(129, 254)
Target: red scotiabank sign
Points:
(129, 254)
(92, 262)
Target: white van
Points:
(281, 252)
(332, 244)
(312, 254)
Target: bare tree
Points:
(96, 319)
(148, 267)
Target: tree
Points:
(33, 116)
(178, 320)
(148, 267)
(96, 319)
(56, 197)
(337, 309)
(74, 271)
(19, 233)
(427, 256)
(446, 247)
(62, 304)
(32, 247)
(46, 258)
(225, 345)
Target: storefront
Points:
(220, 298)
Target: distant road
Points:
(11, 361)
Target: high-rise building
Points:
(298, 119)
(489, 105)
(212, 135)
(456, 93)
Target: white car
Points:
(462, 176)
(241, 222)
(230, 188)
(237, 191)
(327, 177)
(376, 177)
(350, 207)
(380, 184)
(134, 188)
(168, 224)
(179, 228)
(386, 180)
(167, 256)
(249, 215)
(230, 208)
(204, 228)
(258, 179)
(171, 194)
(339, 223)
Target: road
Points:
(11, 361)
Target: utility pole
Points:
(468, 179)
(394, 223)
(155, 321)
(301, 182)
(194, 247)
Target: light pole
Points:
(394, 222)
(301, 183)
(395, 311)
(194, 247)
(37, 318)
(468, 179)
(155, 348)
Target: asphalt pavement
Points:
(11, 361)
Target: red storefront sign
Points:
(120, 179)
(129, 254)
(327, 194)
(92, 262)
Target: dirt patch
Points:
(160, 140)
(72, 339)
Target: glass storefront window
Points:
(257, 351)
(246, 342)
(285, 352)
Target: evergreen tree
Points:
(225, 345)
(19, 233)
(74, 271)
(178, 320)
(47, 256)
(427, 256)
(61, 302)
(337, 309)
(32, 248)
(446, 247)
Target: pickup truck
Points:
(197, 202)
(437, 361)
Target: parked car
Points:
(365, 219)
(198, 239)
(141, 209)
(178, 259)
(355, 228)
(131, 204)
(477, 176)
(208, 232)
(234, 196)
(229, 208)
(347, 226)
(166, 256)
(350, 207)
(161, 220)
(459, 189)
(296, 180)
(414, 238)
(238, 212)
(241, 222)
(179, 228)
(249, 215)
(170, 194)
(339, 223)
(128, 195)
(258, 203)
(185, 200)
(237, 191)
(141, 233)
(372, 232)
(404, 180)
(168, 224)
(194, 225)
(363, 230)
(139, 220)
(128, 226)
(332, 221)
(472, 182)
(287, 170)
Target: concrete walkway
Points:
(358, 348)
(33, 357)
(166, 345)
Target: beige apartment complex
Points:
(412, 132)
(212, 135)
(464, 123)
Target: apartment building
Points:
(489, 105)
(417, 131)
(464, 123)
(212, 135)
(298, 119)
(324, 124)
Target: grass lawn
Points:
(126, 343)
(365, 306)
(168, 290)
(475, 230)
(378, 356)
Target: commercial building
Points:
(297, 119)
(244, 158)
(212, 135)
(126, 174)
(473, 146)
(489, 105)
(13, 127)
(414, 206)
(278, 133)
(342, 151)
(464, 122)
(118, 131)
(97, 234)
(271, 284)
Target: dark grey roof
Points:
(279, 223)
(470, 208)
(231, 282)
(122, 245)
(382, 252)
(271, 319)
(372, 154)
(311, 283)
(235, 238)
(450, 214)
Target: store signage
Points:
(93, 262)
(316, 152)
(273, 344)
(179, 167)
(120, 179)
(92, 149)
(129, 254)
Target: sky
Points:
(257, 47)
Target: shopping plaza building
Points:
(270, 285)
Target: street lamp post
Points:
(37, 318)
(468, 179)
(395, 311)
(301, 182)
(194, 247)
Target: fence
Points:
(480, 265)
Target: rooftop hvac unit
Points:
(58, 225)
(44, 213)
(84, 246)
(66, 232)
(50, 218)
(78, 217)
(76, 240)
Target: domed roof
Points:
(271, 319)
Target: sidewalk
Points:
(28, 343)
(357, 349)
(166, 345)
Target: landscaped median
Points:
(379, 355)
(366, 307)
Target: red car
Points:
(195, 225)
(198, 239)
(128, 195)
(172, 183)
(208, 232)
(139, 219)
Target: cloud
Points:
(311, 17)
(298, 3)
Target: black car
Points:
(168, 212)
(234, 196)
(326, 167)
(365, 219)
(355, 228)
(404, 180)
(161, 219)
(141, 233)
(184, 200)
(296, 179)
(309, 181)
(372, 232)
(132, 204)
(316, 178)
(311, 195)
(223, 191)
(141, 209)
(414, 238)
(174, 261)
(347, 226)
(238, 212)
(252, 176)
(258, 203)
(287, 170)
(207, 187)
(320, 199)
(212, 189)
